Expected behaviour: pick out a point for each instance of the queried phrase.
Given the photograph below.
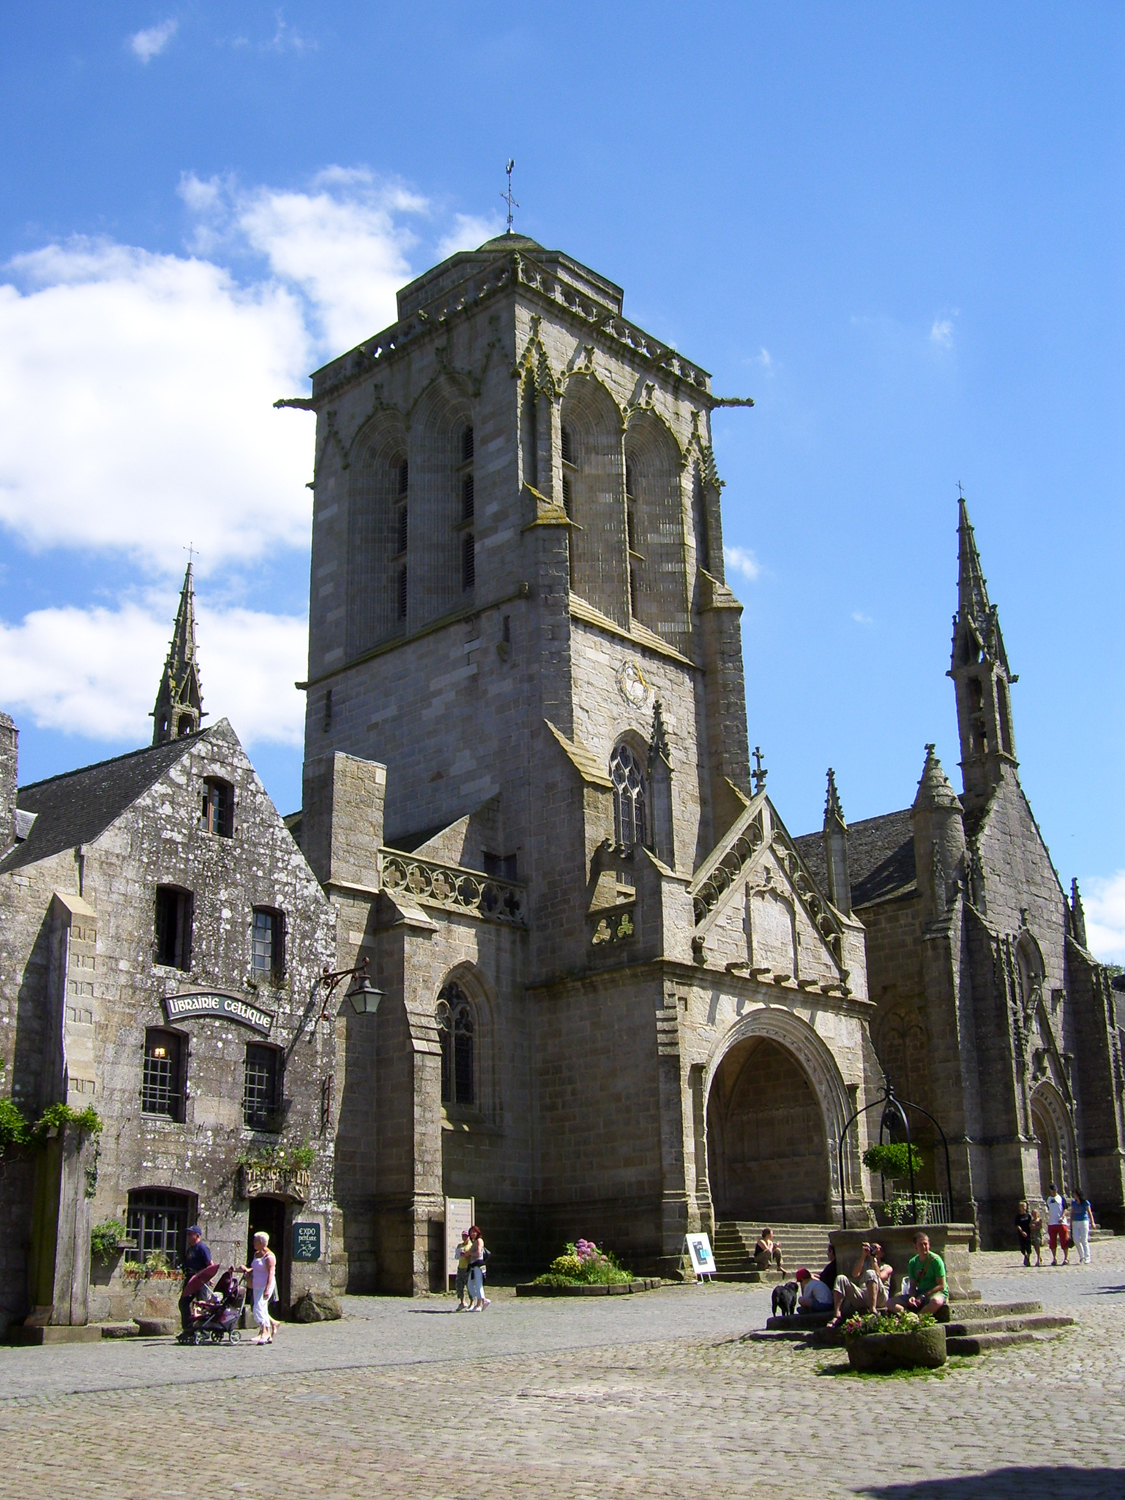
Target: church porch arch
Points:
(776, 1105)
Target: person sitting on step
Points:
(927, 1289)
(814, 1296)
(865, 1290)
(767, 1250)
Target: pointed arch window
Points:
(630, 797)
(456, 1023)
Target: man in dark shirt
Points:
(828, 1275)
(198, 1270)
(1023, 1229)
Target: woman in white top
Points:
(262, 1271)
(478, 1260)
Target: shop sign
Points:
(216, 1003)
(306, 1241)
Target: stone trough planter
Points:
(639, 1284)
(884, 1352)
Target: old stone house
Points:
(617, 1003)
(161, 945)
(991, 1013)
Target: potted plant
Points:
(894, 1341)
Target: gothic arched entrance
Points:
(767, 1148)
(1051, 1123)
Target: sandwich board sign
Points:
(459, 1214)
(702, 1258)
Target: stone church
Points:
(991, 1013)
(621, 1001)
(617, 1003)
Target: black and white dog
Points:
(784, 1299)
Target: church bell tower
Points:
(981, 675)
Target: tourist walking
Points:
(1023, 1229)
(478, 1264)
(1037, 1235)
(1081, 1222)
(463, 1257)
(1058, 1235)
(262, 1271)
(199, 1268)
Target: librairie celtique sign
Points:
(216, 1003)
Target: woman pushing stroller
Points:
(262, 1271)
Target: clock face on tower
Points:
(632, 686)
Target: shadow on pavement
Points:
(997, 1484)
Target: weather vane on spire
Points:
(507, 197)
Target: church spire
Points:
(981, 675)
(836, 849)
(179, 701)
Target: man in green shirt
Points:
(926, 1272)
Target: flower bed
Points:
(543, 1287)
(884, 1342)
(584, 1264)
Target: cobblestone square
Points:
(658, 1395)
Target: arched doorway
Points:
(1051, 1123)
(767, 1149)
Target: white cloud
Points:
(138, 389)
(860, 618)
(743, 561)
(942, 333)
(341, 245)
(96, 671)
(1104, 903)
(765, 359)
(285, 39)
(137, 392)
(469, 231)
(151, 42)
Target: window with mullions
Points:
(162, 1090)
(630, 824)
(261, 1088)
(158, 1222)
(456, 1029)
(267, 946)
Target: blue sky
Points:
(898, 228)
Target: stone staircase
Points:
(976, 1327)
(972, 1327)
(801, 1245)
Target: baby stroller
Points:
(219, 1315)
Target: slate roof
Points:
(78, 806)
(880, 857)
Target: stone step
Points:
(801, 1244)
(976, 1312)
(119, 1330)
(981, 1343)
(1036, 1323)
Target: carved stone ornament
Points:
(632, 686)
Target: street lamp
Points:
(364, 996)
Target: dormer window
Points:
(218, 807)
